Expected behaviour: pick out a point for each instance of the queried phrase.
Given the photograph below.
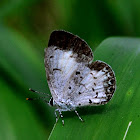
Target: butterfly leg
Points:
(56, 115)
(61, 117)
(79, 116)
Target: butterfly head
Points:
(51, 102)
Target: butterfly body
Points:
(74, 80)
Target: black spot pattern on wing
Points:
(77, 72)
(110, 82)
(97, 65)
(90, 101)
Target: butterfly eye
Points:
(51, 102)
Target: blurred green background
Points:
(25, 26)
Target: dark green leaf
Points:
(110, 121)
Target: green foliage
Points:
(17, 119)
(21, 68)
(110, 121)
(25, 26)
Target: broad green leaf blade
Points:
(17, 120)
(125, 15)
(110, 121)
(21, 68)
(20, 59)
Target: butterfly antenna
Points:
(39, 98)
(38, 92)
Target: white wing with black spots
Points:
(73, 78)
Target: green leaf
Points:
(110, 121)
(21, 67)
(17, 120)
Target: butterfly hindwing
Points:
(97, 86)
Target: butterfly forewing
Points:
(72, 76)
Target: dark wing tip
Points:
(59, 38)
(67, 41)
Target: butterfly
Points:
(73, 78)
